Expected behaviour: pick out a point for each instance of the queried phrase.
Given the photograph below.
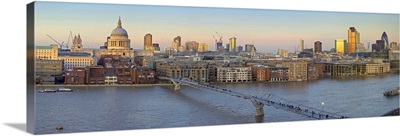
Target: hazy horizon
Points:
(267, 29)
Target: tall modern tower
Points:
(353, 39)
(176, 43)
(248, 47)
(381, 45)
(232, 44)
(318, 47)
(148, 43)
(301, 45)
(340, 45)
(385, 40)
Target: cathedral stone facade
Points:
(117, 43)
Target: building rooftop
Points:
(44, 47)
(73, 54)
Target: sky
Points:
(268, 30)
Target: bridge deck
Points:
(268, 99)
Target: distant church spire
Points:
(119, 22)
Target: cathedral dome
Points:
(119, 31)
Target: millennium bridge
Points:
(259, 102)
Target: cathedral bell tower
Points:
(77, 44)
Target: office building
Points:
(353, 39)
(232, 44)
(340, 45)
(176, 43)
(192, 46)
(381, 45)
(301, 48)
(248, 47)
(46, 52)
(318, 47)
(385, 40)
(148, 42)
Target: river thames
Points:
(125, 107)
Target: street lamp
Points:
(322, 105)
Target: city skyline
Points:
(267, 29)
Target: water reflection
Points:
(116, 108)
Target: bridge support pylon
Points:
(177, 85)
(259, 107)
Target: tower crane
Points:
(61, 45)
(216, 47)
(296, 48)
(220, 37)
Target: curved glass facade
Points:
(385, 39)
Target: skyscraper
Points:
(353, 39)
(381, 45)
(318, 47)
(376, 48)
(232, 42)
(248, 47)
(192, 46)
(385, 39)
(148, 44)
(176, 43)
(301, 45)
(339, 45)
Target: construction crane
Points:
(61, 45)
(296, 48)
(220, 37)
(216, 46)
(215, 39)
(55, 41)
(69, 38)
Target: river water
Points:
(121, 108)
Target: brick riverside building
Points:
(110, 75)
(142, 75)
(95, 75)
(123, 75)
(279, 74)
(297, 70)
(262, 73)
(77, 76)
